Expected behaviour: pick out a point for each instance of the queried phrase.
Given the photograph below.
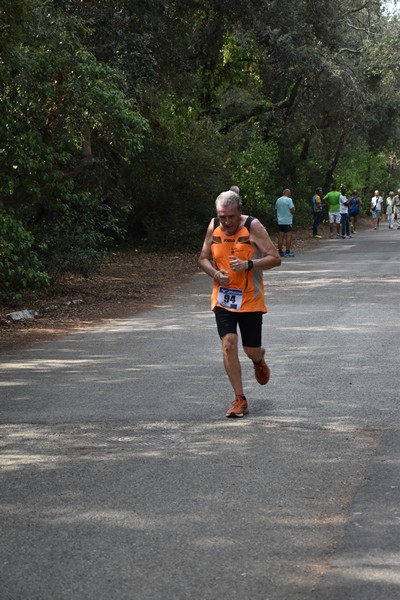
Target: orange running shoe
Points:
(239, 407)
(261, 371)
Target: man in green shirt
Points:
(332, 199)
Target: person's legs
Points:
(338, 219)
(343, 223)
(347, 225)
(316, 223)
(288, 241)
(331, 222)
(280, 241)
(319, 219)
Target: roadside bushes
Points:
(20, 267)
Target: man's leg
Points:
(261, 369)
(280, 240)
(251, 329)
(232, 363)
(239, 406)
(315, 223)
(331, 219)
(343, 222)
(288, 241)
(227, 324)
(255, 354)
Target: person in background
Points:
(344, 213)
(376, 208)
(354, 210)
(236, 251)
(396, 204)
(333, 200)
(284, 211)
(390, 209)
(317, 208)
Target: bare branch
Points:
(351, 50)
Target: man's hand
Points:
(222, 277)
(237, 265)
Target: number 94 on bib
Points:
(230, 298)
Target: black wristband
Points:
(250, 265)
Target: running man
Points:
(236, 251)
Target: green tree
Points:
(67, 131)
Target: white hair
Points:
(228, 199)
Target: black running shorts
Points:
(250, 325)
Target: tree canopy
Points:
(123, 120)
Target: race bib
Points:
(230, 298)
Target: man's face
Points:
(229, 217)
(376, 192)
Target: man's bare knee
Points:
(229, 343)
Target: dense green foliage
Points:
(123, 120)
(20, 268)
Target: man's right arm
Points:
(205, 254)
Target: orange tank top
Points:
(245, 291)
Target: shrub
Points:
(20, 267)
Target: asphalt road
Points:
(122, 479)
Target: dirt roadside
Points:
(129, 283)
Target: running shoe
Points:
(317, 236)
(281, 253)
(239, 408)
(288, 253)
(261, 371)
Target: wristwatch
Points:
(250, 265)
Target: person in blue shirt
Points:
(354, 210)
(284, 212)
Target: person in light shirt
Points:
(376, 208)
(390, 209)
(344, 213)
